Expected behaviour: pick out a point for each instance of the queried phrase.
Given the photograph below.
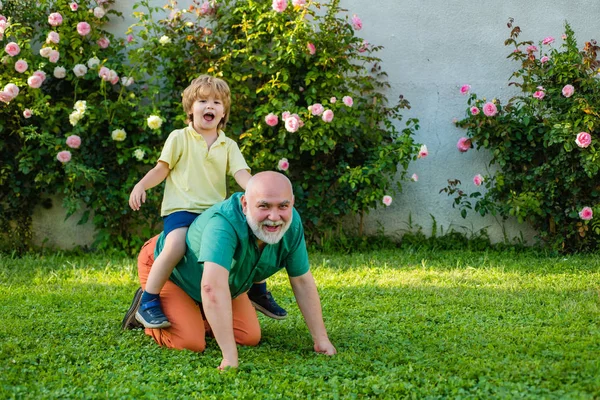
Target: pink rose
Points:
(41, 74)
(548, 40)
(423, 152)
(414, 178)
(83, 28)
(489, 109)
(568, 90)
(464, 89)
(21, 66)
(34, 81)
(64, 156)
(317, 109)
(54, 56)
(463, 145)
(74, 6)
(12, 89)
(74, 141)
(292, 124)
(283, 164)
(129, 38)
(300, 122)
(332, 100)
(531, 49)
(539, 94)
(478, 180)
(327, 116)
(544, 59)
(27, 113)
(356, 23)
(348, 101)
(103, 42)
(586, 213)
(104, 73)
(474, 110)
(364, 46)
(564, 36)
(387, 200)
(299, 3)
(205, 8)
(271, 119)
(113, 78)
(583, 139)
(285, 115)
(311, 48)
(279, 5)
(53, 37)
(5, 97)
(55, 19)
(2, 18)
(12, 49)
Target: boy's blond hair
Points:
(203, 86)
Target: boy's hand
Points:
(137, 197)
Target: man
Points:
(242, 240)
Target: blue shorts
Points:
(178, 219)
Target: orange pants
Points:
(188, 326)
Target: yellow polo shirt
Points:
(197, 177)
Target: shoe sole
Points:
(267, 312)
(129, 322)
(138, 318)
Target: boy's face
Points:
(207, 112)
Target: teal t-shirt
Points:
(222, 235)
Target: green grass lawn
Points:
(417, 324)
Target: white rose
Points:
(60, 72)
(154, 122)
(45, 52)
(93, 62)
(139, 154)
(126, 81)
(118, 135)
(99, 12)
(79, 70)
(74, 117)
(80, 106)
(164, 40)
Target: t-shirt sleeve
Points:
(296, 263)
(172, 150)
(235, 159)
(218, 242)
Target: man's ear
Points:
(244, 204)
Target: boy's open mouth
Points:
(209, 116)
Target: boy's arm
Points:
(154, 177)
(242, 177)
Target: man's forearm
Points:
(216, 303)
(309, 303)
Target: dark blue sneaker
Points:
(266, 304)
(129, 321)
(151, 315)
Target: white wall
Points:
(430, 49)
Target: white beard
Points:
(268, 237)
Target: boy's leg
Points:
(187, 330)
(264, 302)
(150, 313)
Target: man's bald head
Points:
(268, 181)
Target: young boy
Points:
(194, 161)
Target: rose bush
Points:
(543, 141)
(56, 117)
(85, 114)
